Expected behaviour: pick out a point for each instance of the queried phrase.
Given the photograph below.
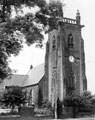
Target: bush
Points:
(13, 96)
(84, 102)
(46, 104)
(72, 101)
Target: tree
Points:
(86, 100)
(29, 27)
(9, 44)
(83, 102)
(13, 96)
(72, 101)
(40, 98)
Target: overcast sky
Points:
(35, 56)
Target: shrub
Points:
(46, 103)
(84, 102)
(13, 96)
(72, 101)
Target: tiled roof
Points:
(31, 78)
(35, 75)
(15, 80)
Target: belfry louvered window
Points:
(70, 41)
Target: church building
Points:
(65, 60)
(64, 70)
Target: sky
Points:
(35, 56)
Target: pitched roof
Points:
(35, 75)
(15, 80)
(31, 78)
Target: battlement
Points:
(68, 20)
(72, 21)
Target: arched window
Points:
(54, 43)
(70, 85)
(70, 40)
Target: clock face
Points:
(71, 58)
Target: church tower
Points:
(65, 60)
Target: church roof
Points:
(31, 78)
(35, 75)
(15, 80)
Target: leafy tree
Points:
(72, 101)
(87, 95)
(13, 96)
(84, 102)
(28, 28)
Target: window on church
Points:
(70, 85)
(70, 41)
(84, 85)
(71, 82)
(54, 43)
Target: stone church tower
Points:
(65, 60)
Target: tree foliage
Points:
(28, 28)
(13, 96)
(85, 102)
(10, 43)
(72, 101)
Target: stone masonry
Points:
(65, 60)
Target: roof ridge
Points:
(35, 75)
(20, 74)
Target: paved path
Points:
(74, 119)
